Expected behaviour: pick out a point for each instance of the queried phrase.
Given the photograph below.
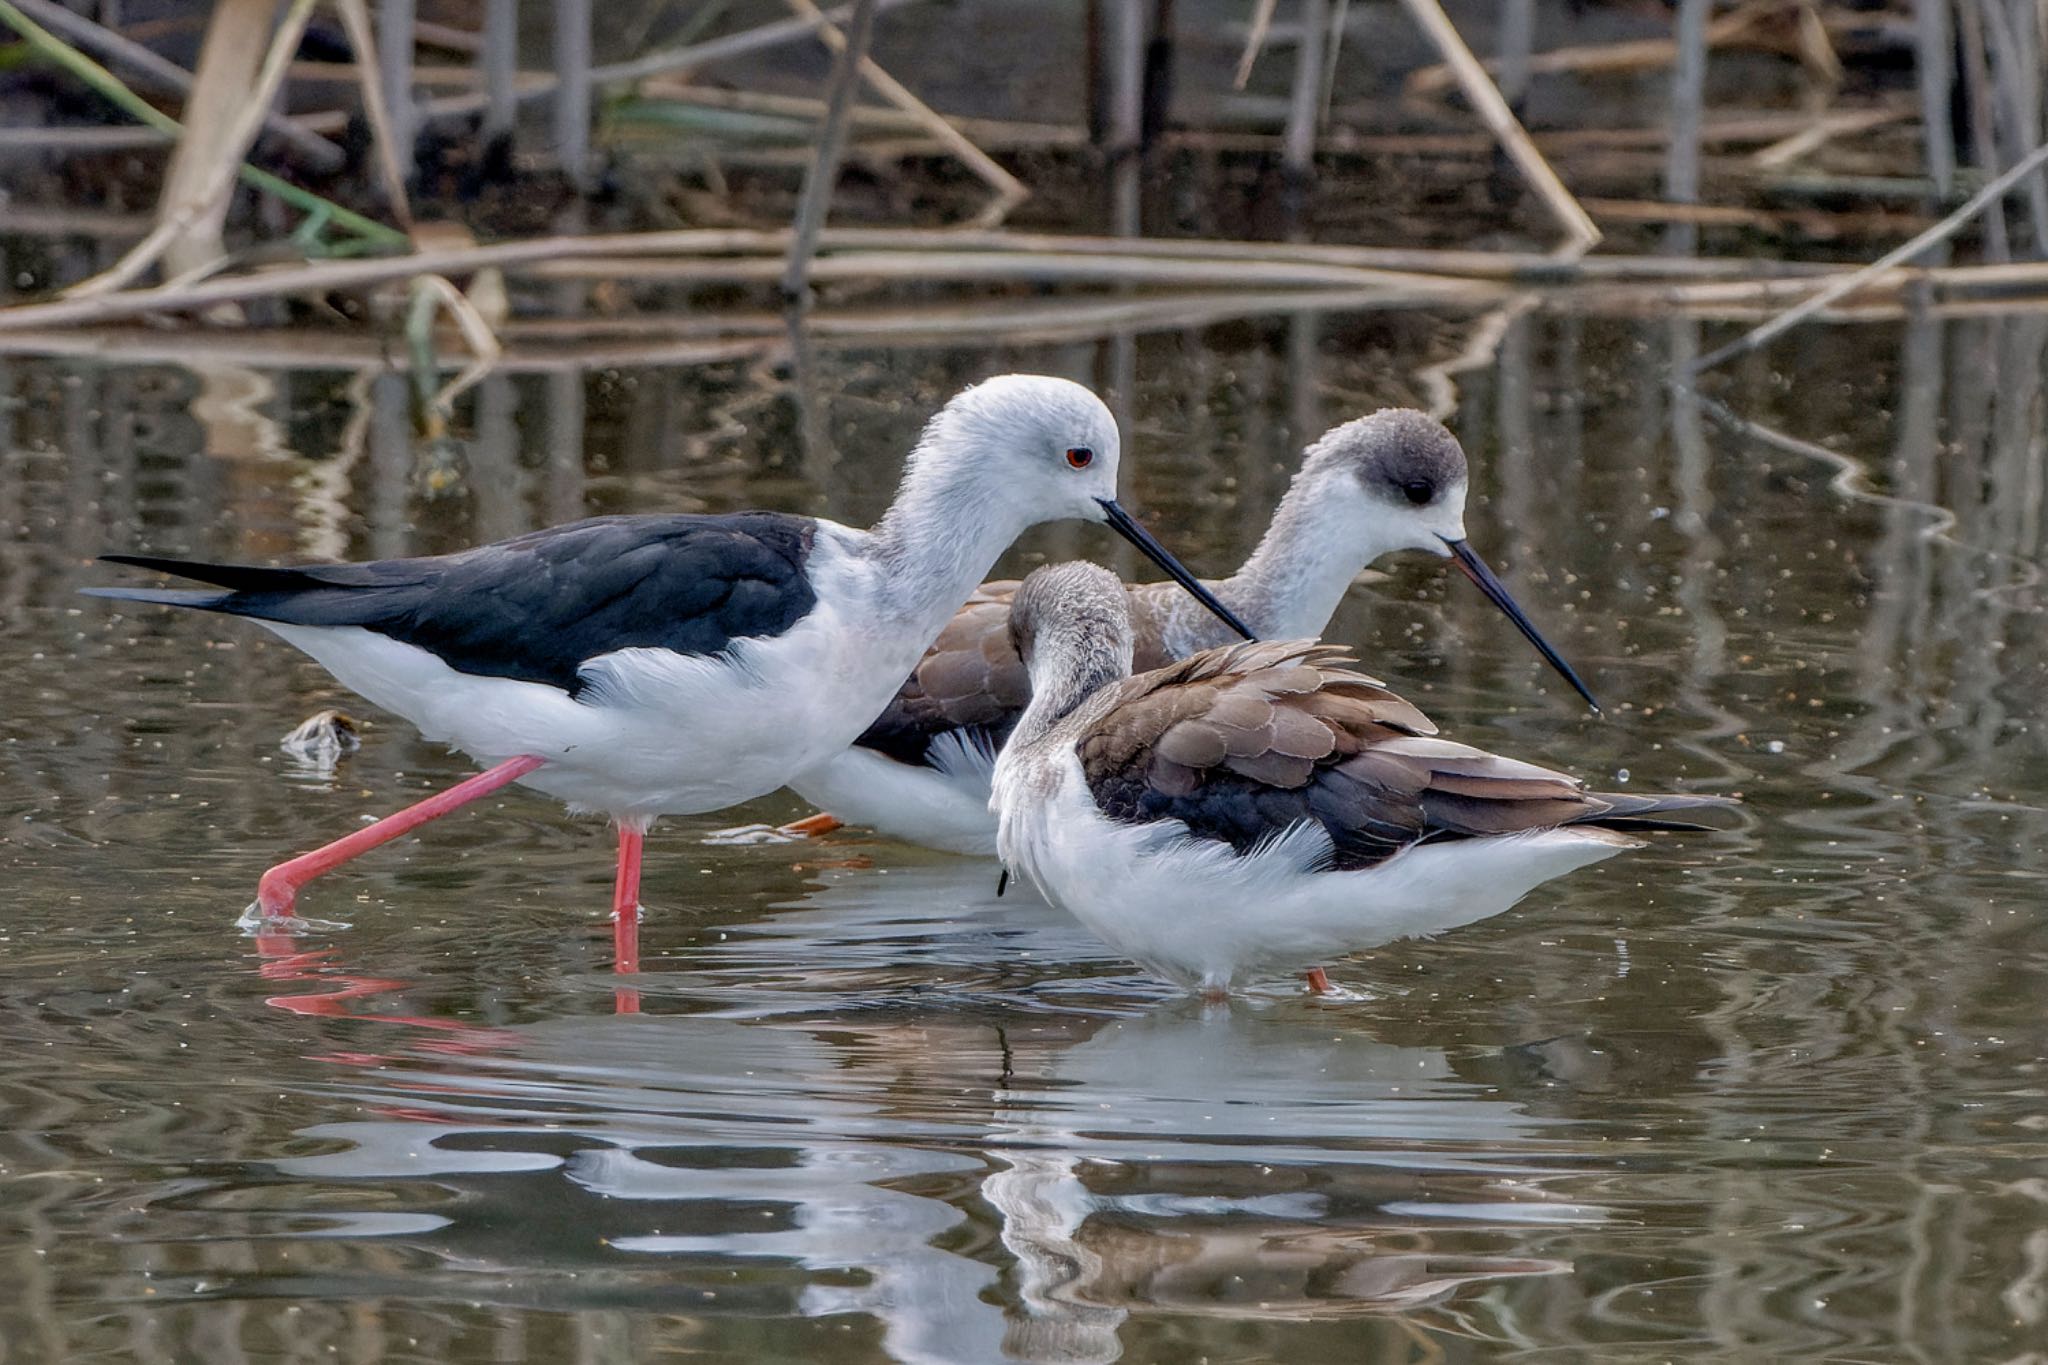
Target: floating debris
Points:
(317, 743)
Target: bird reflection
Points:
(1261, 1163)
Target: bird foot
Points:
(744, 835)
(796, 831)
(639, 914)
(260, 919)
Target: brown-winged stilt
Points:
(1260, 807)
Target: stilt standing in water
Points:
(648, 665)
(1260, 807)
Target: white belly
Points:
(1201, 915)
(655, 732)
(943, 807)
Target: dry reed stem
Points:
(1822, 131)
(1298, 141)
(1008, 190)
(687, 57)
(203, 170)
(1224, 259)
(317, 150)
(1856, 279)
(1636, 55)
(823, 172)
(362, 40)
(110, 87)
(954, 267)
(1493, 110)
(1254, 41)
(484, 348)
(1816, 48)
(579, 344)
(976, 130)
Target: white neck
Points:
(935, 544)
(1067, 676)
(1321, 536)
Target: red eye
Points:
(1080, 457)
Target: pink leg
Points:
(280, 886)
(626, 915)
(1318, 981)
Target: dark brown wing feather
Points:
(1242, 742)
(972, 679)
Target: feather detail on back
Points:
(1240, 742)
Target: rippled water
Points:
(1774, 1094)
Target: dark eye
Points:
(1419, 491)
(1080, 457)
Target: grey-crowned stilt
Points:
(1395, 480)
(639, 666)
(1259, 806)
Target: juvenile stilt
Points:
(280, 886)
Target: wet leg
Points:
(280, 886)
(626, 914)
(1318, 982)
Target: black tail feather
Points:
(234, 577)
(198, 598)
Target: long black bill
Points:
(1497, 593)
(1121, 522)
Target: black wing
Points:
(541, 605)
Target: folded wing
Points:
(1242, 742)
(540, 606)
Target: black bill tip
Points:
(1126, 526)
(1496, 592)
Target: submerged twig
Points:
(432, 293)
(1848, 284)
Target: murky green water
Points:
(1765, 1095)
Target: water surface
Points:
(1771, 1094)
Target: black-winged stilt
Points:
(646, 665)
(1392, 481)
(1259, 806)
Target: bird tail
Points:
(246, 589)
(1663, 812)
(201, 599)
(233, 577)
